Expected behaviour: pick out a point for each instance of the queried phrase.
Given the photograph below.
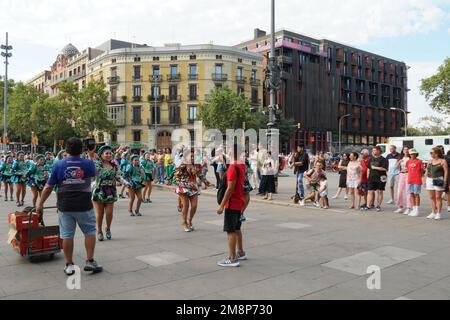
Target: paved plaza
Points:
(294, 253)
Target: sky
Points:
(414, 31)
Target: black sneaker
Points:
(92, 266)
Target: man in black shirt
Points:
(301, 165)
(377, 172)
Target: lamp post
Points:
(406, 119)
(6, 54)
(340, 130)
(273, 82)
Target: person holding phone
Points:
(437, 177)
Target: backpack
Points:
(223, 186)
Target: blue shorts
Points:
(68, 223)
(415, 188)
(220, 168)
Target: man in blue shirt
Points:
(73, 176)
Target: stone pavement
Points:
(293, 254)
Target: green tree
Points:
(225, 110)
(91, 113)
(436, 89)
(430, 126)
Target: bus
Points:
(423, 145)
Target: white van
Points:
(423, 145)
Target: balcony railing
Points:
(152, 123)
(255, 82)
(256, 102)
(137, 98)
(155, 78)
(136, 122)
(284, 59)
(193, 76)
(159, 98)
(137, 78)
(175, 120)
(173, 98)
(241, 79)
(174, 77)
(191, 121)
(118, 122)
(219, 77)
(114, 80)
(192, 97)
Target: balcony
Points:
(173, 99)
(159, 98)
(192, 97)
(118, 122)
(174, 120)
(112, 100)
(219, 77)
(151, 124)
(136, 122)
(174, 77)
(193, 77)
(137, 98)
(256, 102)
(114, 80)
(241, 79)
(156, 78)
(255, 82)
(285, 59)
(191, 121)
(137, 78)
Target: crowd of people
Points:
(85, 180)
(365, 176)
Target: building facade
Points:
(322, 81)
(154, 90)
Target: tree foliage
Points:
(430, 126)
(436, 89)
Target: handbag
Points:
(438, 183)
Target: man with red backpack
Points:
(231, 201)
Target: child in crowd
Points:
(415, 174)
(322, 193)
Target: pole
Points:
(272, 62)
(154, 113)
(5, 95)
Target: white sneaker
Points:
(335, 197)
(407, 212)
(414, 213)
(399, 210)
(448, 209)
(431, 216)
(390, 202)
(438, 217)
(346, 198)
(317, 204)
(301, 203)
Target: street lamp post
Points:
(406, 119)
(340, 130)
(273, 81)
(6, 54)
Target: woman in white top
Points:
(268, 170)
(354, 173)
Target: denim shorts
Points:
(68, 223)
(415, 188)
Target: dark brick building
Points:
(324, 80)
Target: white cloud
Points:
(85, 22)
(416, 102)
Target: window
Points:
(137, 59)
(156, 115)
(137, 72)
(155, 58)
(156, 91)
(219, 57)
(240, 90)
(447, 142)
(114, 72)
(174, 70)
(137, 91)
(137, 136)
(429, 142)
(137, 119)
(219, 69)
(156, 71)
(192, 72)
(254, 73)
(193, 92)
(173, 92)
(240, 74)
(173, 58)
(113, 94)
(255, 95)
(174, 114)
(192, 113)
(192, 57)
(113, 60)
(239, 60)
(114, 137)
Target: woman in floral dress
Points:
(105, 191)
(19, 170)
(37, 177)
(135, 177)
(188, 191)
(6, 175)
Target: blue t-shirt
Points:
(73, 176)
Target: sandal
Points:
(138, 214)
(108, 234)
(132, 214)
(100, 236)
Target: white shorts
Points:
(431, 187)
(352, 184)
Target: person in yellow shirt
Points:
(168, 164)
